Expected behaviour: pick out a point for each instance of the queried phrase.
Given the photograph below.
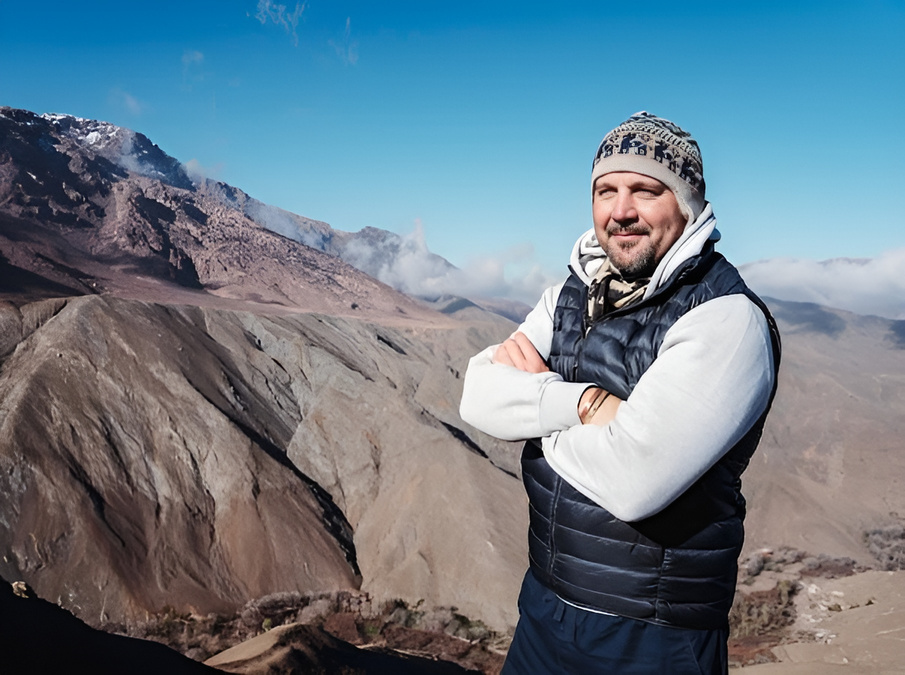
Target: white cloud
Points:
(191, 56)
(512, 274)
(191, 60)
(270, 11)
(127, 101)
(285, 223)
(199, 173)
(865, 286)
(415, 270)
(405, 262)
(132, 104)
(346, 48)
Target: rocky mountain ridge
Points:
(114, 209)
(84, 223)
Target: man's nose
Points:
(624, 207)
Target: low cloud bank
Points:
(405, 263)
(861, 285)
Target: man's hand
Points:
(518, 352)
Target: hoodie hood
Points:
(588, 256)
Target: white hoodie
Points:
(710, 382)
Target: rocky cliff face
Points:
(158, 455)
(87, 207)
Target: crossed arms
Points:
(710, 382)
(596, 405)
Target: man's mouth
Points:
(628, 232)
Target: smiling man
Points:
(641, 384)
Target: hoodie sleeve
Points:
(513, 405)
(710, 382)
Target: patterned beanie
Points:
(655, 147)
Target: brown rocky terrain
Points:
(182, 429)
(197, 412)
(817, 614)
(157, 452)
(41, 637)
(830, 467)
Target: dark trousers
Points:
(555, 637)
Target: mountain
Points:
(91, 207)
(830, 466)
(197, 411)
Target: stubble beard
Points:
(634, 260)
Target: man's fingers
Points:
(533, 363)
(518, 352)
(515, 354)
(502, 355)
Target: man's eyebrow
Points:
(647, 184)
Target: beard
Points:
(634, 260)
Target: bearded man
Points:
(641, 383)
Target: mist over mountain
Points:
(861, 285)
(197, 410)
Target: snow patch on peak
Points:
(61, 117)
(90, 134)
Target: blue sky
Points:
(477, 121)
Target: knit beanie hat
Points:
(655, 147)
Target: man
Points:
(642, 382)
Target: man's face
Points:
(636, 219)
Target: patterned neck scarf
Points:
(610, 291)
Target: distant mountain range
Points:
(869, 286)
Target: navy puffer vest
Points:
(678, 567)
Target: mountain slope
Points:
(163, 446)
(157, 455)
(830, 465)
(94, 208)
